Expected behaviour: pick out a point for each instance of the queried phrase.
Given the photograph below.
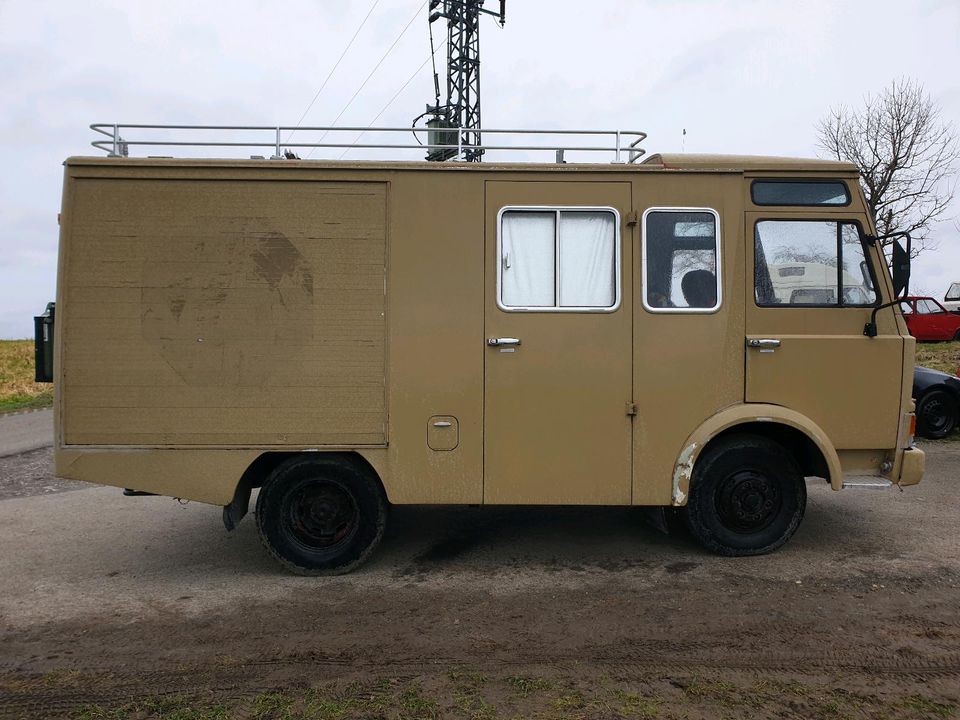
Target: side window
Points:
(799, 192)
(926, 307)
(811, 262)
(559, 259)
(681, 260)
(953, 293)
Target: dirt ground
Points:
(114, 607)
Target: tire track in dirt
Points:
(43, 695)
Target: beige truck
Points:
(347, 336)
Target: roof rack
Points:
(619, 146)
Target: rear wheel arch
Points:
(801, 437)
(264, 464)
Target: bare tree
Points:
(907, 155)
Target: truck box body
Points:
(212, 313)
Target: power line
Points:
(334, 69)
(375, 68)
(389, 103)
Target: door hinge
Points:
(631, 409)
(633, 217)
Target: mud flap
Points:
(237, 509)
(656, 517)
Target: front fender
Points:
(739, 415)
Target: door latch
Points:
(498, 342)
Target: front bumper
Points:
(911, 467)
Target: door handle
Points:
(763, 342)
(498, 342)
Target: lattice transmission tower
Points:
(457, 122)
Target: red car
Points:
(929, 321)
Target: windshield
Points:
(953, 293)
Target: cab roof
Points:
(746, 162)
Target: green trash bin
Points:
(43, 344)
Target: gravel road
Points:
(23, 431)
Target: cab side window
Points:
(681, 260)
(819, 263)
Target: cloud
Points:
(746, 76)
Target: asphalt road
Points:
(20, 432)
(864, 598)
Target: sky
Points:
(740, 77)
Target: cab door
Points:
(558, 361)
(805, 347)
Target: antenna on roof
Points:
(456, 124)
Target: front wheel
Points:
(321, 515)
(747, 496)
(936, 415)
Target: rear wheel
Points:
(936, 414)
(321, 515)
(747, 496)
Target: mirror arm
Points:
(870, 329)
(872, 239)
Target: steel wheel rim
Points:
(748, 501)
(935, 415)
(321, 515)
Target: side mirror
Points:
(900, 265)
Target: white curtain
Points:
(527, 257)
(587, 259)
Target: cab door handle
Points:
(498, 342)
(763, 342)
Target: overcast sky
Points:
(741, 77)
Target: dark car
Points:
(937, 395)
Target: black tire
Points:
(956, 336)
(321, 515)
(747, 496)
(936, 414)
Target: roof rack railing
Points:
(622, 145)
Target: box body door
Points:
(556, 426)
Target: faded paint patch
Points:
(276, 259)
(682, 473)
(176, 306)
(228, 311)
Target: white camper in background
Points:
(807, 283)
(951, 299)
